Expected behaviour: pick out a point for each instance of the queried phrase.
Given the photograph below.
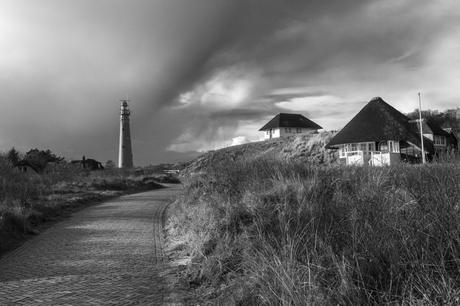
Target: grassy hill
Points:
(271, 223)
(304, 147)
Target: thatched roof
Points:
(290, 120)
(429, 127)
(378, 121)
(37, 167)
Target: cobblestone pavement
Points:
(107, 254)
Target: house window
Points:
(370, 147)
(298, 130)
(354, 147)
(362, 147)
(440, 140)
(391, 146)
(23, 169)
(343, 150)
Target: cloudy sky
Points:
(203, 74)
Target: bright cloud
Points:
(226, 89)
(239, 140)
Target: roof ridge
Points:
(290, 120)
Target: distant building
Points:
(29, 167)
(381, 135)
(287, 125)
(442, 138)
(88, 163)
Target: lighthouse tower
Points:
(125, 155)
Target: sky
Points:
(207, 74)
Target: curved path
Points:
(107, 254)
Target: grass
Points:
(26, 202)
(268, 231)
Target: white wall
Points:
(275, 133)
(367, 147)
(284, 132)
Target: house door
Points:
(270, 133)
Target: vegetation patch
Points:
(266, 230)
(309, 148)
(27, 201)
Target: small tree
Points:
(42, 157)
(13, 155)
(110, 164)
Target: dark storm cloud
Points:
(74, 60)
(333, 46)
(203, 71)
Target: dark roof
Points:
(88, 163)
(290, 120)
(435, 130)
(451, 133)
(378, 121)
(34, 165)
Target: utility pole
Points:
(421, 127)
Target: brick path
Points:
(108, 254)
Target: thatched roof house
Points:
(285, 124)
(379, 128)
(441, 138)
(30, 167)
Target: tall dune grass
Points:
(275, 232)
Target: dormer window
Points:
(439, 140)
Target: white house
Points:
(287, 125)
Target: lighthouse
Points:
(125, 155)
